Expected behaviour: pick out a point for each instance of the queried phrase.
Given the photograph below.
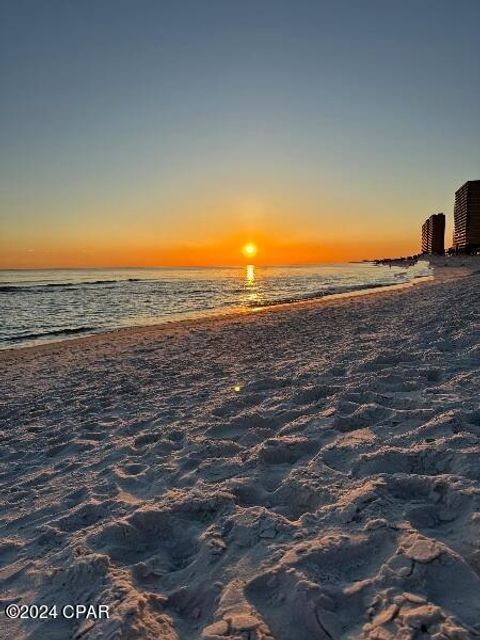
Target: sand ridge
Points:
(308, 473)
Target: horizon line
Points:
(193, 266)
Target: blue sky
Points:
(164, 121)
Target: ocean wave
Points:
(46, 334)
(317, 294)
(18, 288)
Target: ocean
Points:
(38, 306)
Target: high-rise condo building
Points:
(433, 234)
(466, 234)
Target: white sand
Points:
(335, 495)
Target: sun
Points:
(249, 250)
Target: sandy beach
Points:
(309, 471)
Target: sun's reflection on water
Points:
(252, 294)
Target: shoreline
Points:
(215, 316)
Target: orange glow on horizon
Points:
(207, 231)
(224, 252)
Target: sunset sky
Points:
(144, 133)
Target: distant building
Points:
(433, 234)
(466, 234)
